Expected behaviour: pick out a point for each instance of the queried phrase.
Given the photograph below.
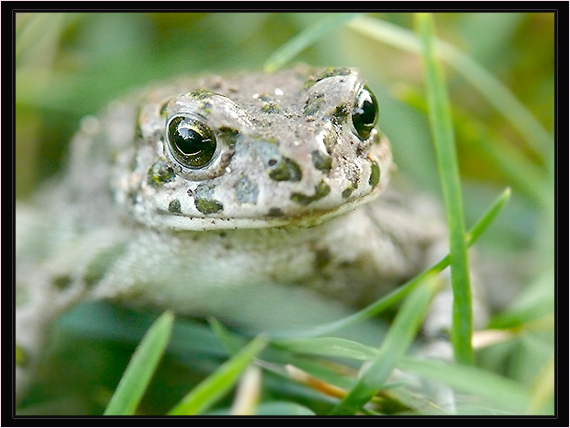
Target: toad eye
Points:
(190, 141)
(365, 112)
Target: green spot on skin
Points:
(321, 161)
(62, 282)
(102, 263)
(275, 212)
(229, 135)
(321, 190)
(314, 104)
(206, 107)
(201, 94)
(329, 141)
(354, 182)
(341, 112)
(160, 173)
(138, 131)
(174, 206)
(271, 108)
(208, 206)
(374, 174)
(348, 191)
(322, 258)
(204, 199)
(163, 111)
(285, 170)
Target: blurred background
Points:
(69, 65)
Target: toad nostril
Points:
(272, 162)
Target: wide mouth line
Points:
(305, 218)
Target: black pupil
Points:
(365, 113)
(188, 141)
(192, 142)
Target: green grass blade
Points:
(442, 130)
(399, 337)
(329, 347)
(395, 296)
(230, 341)
(296, 44)
(505, 394)
(485, 221)
(218, 383)
(139, 372)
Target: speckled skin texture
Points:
(273, 205)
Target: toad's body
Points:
(219, 196)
